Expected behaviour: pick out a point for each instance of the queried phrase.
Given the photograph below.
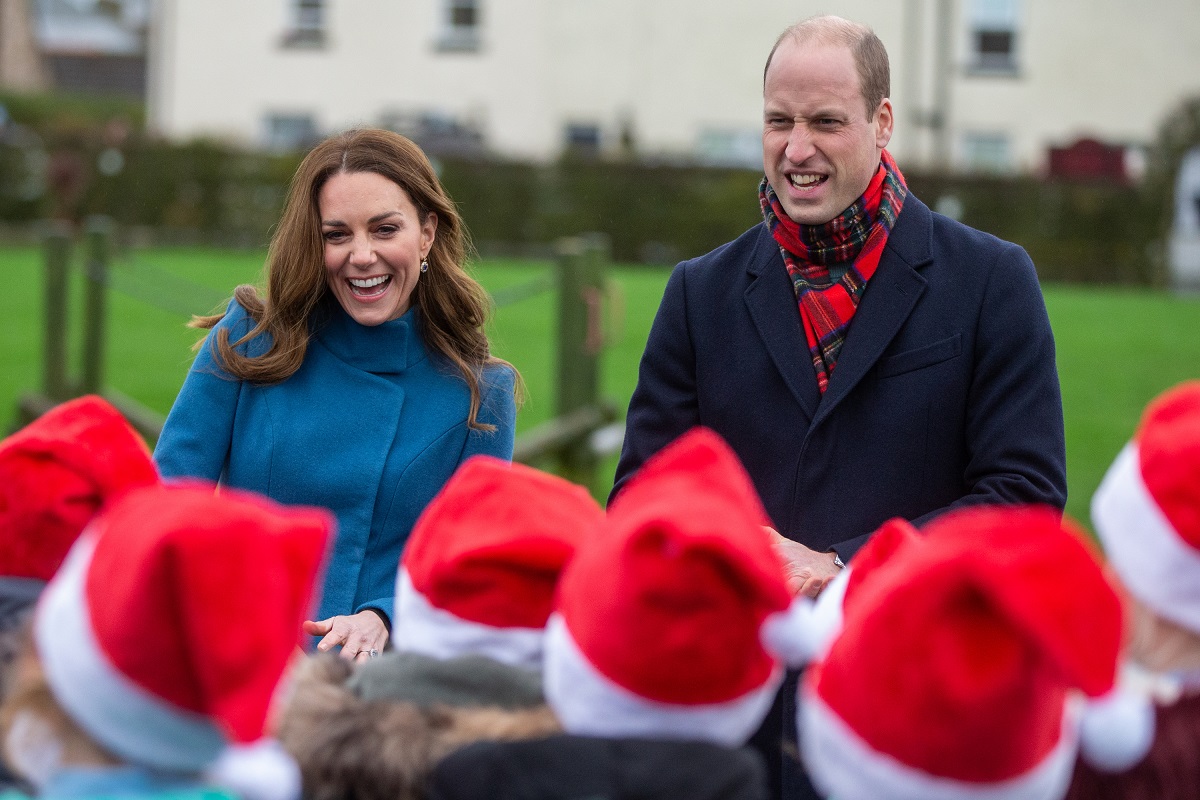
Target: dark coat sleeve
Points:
(665, 402)
(1013, 448)
(1014, 423)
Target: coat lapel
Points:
(771, 302)
(889, 299)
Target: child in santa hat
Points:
(654, 661)
(475, 587)
(1147, 516)
(55, 474)
(134, 682)
(972, 661)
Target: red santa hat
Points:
(886, 546)
(55, 474)
(967, 666)
(1147, 509)
(480, 569)
(166, 630)
(659, 618)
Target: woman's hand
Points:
(362, 635)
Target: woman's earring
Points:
(424, 265)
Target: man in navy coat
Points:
(865, 357)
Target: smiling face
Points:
(820, 149)
(374, 240)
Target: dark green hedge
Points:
(1079, 232)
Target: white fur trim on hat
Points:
(262, 770)
(120, 715)
(1157, 566)
(589, 704)
(842, 764)
(419, 627)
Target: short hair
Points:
(348, 747)
(870, 56)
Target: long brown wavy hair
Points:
(454, 307)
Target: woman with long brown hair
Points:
(360, 380)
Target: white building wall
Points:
(1107, 69)
(675, 72)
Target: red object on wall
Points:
(1089, 159)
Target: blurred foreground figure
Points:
(134, 683)
(475, 587)
(972, 662)
(1147, 515)
(653, 657)
(55, 474)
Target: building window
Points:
(290, 132)
(437, 133)
(306, 28)
(987, 152)
(994, 36)
(726, 147)
(460, 31)
(582, 139)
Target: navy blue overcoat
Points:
(945, 393)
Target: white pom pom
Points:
(1117, 730)
(259, 771)
(828, 610)
(798, 635)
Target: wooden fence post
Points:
(98, 234)
(581, 264)
(57, 254)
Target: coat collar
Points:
(889, 298)
(391, 347)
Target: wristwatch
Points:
(837, 561)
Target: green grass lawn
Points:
(1116, 348)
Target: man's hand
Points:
(808, 572)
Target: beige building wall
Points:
(1107, 69)
(21, 66)
(679, 78)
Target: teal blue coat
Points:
(371, 426)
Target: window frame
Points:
(307, 25)
(988, 23)
(457, 36)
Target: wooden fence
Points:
(585, 426)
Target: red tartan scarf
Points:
(856, 236)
